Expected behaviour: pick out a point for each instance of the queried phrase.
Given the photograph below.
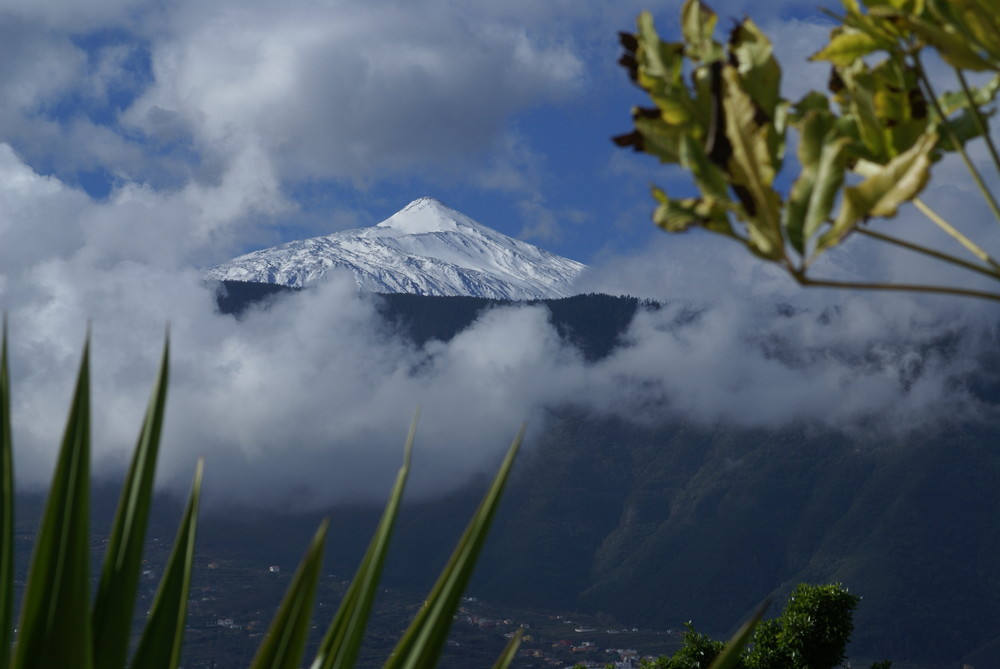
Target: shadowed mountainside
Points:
(653, 525)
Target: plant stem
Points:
(970, 245)
(944, 257)
(900, 287)
(954, 138)
(978, 118)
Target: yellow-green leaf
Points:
(698, 28)
(981, 96)
(881, 193)
(679, 215)
(954, 48)
(861, 89)
(751, 169)
(822, 154)
(709, 177)
(756, 65)
(846, 46)
(659, 138)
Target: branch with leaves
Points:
(727, 124)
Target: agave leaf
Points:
(115, 600)
(286, 638)
(54, 629)
(884, 189)
(342, 642)
(6, 508)
(161, 640)
(751, 168)
(423, 641)
(730, 656)
(509, 652)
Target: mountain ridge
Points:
(426, 248)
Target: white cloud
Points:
(311, 400)
(308, 402)
(344, 90)
(35, 65)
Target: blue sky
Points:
(143, 142)
(352, 109)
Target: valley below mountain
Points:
(637, 522)
(647, 527)
(653, 523)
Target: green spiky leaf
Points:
(115, 600)
(286, 638)
(509, 651)
(52, 631)
(163, 635)
(729, 658)
(342, 642)
(7, 510)
(424, 640)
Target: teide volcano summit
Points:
(426, 248)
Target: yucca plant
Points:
(61, 626)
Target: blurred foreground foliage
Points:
(865, 147)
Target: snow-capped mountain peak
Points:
(425, 248)
(424, 215)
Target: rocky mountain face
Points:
(426, 248)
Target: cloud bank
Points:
(206, 115)
(308, 402)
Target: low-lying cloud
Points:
(308, 402)
(205, 117)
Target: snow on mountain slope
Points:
(426, 248)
